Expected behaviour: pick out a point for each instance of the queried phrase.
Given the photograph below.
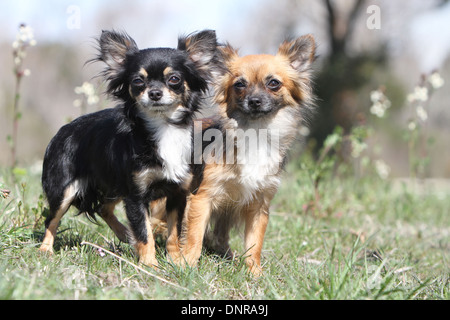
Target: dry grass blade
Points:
(133, 265)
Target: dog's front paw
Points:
(46, 248)
(146, 253)
(254, 267)
(177, 260)
(190, 259)
(149, 261)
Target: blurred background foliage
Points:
(411, 39)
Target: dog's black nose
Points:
(254, 102)
(155, 94)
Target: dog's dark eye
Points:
(274, 84)
(174, 80)
(240, 85)
(138, 82)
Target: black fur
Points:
(103, 151)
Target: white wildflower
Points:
(419, 94)
(332, 140)
(88, 90)
(17, 61)
(412, 126)
(422, 94)
(376, 95)
(101, 252)
(378, 109)
(357, 148)
(383, 170)
(380, 103)
(77, 103)
(304, 131)
(25, 33)
(436, 80)
(24, 37)
(422, 113)
(93, 100)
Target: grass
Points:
(362, 239)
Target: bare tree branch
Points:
(352, 18)
(339, 42)
(331, 25)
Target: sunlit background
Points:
(361, 51)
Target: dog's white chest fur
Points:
(258, 160)
(174, 148)
(265, 159)
(257, 163)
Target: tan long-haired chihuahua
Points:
(263, 100)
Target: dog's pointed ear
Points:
(301, 52)
(114, 48)
(201, 47)
(228, 53)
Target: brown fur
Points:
(228, 195)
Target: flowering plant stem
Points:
(419, 141)
(16, 118)
(24, 40)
